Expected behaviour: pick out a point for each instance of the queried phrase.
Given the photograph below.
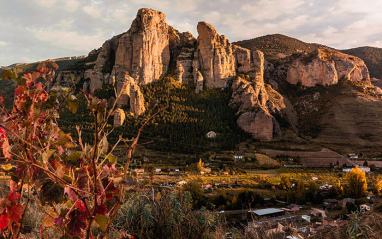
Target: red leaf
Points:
(72, 195)
(101, 209)
(4, 221)
(58, 221)
(15, 212)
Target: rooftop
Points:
(263, 212)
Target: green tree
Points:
(357, 185)
(301, 192)
(285, 183)
(357, 228)
(195, 188)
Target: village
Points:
(279, 212)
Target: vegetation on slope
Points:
(182, 125)
(277, 45)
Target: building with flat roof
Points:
(265, 213)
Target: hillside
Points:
(372, 56)
(7, 87)
(277, 46)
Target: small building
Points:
(207, 186)
(207, 170)
(314, 178)
(326, 186)
(329, 203)
(265, 213)
(365, 207)
(225, 173)
(345, 170)
(292, 208)
(158, 170)
(346, 200)
(364, 169)
(139, 170)
(181, 183)
(316, 213)
(239, 157)
(306, 218)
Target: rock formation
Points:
(119, 117)
(252, 101)
(216, 58)
(137, 102)
(326, 67)
(68, 78)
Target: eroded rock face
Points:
(216, 58)
(144, 52)
(68, 78)
(259, 124)
(184, 65)
(119, 117)
(326, 67)
(137, 101)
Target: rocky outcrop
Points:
(249, 62)
(119, 117)
(252, 101)
(259, 124)
(184, 65)
(326, 67)
(144, 52)
(216, 58)
(137, 102)
(68, 78)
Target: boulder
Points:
(259, 124)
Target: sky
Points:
(32, 30)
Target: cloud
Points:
(46, 3)
(41, 29)
(93, 10)
(71, 5)
(67, 39)
(212, 17)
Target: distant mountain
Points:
(372, 56)
(277, 46)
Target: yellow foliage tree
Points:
(377, 185)
(357, 185)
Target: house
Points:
(158, 170)
(329, 203)
(239, 157)
(316, 213)
(139, 170)
(365, 207)
(306, 218)
(346, 200)
(207, 186)
(326, 186)
(265, 213)
(292, 208)
(314, 178)
(181, 183)
(225, 173)
(364, 169)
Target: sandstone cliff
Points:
(326, 67)
(216, 58)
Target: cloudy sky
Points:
(33, 30)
